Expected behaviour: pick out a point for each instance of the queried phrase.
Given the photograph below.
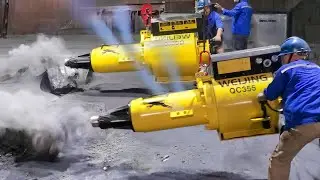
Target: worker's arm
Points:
(219, 26)
(233, 12)
(219, 32)
(277, 86)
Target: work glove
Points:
(211, 41)
(216, 38)
(262, 97)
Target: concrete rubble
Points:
(63, 80)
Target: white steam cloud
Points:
(38, 55)
(25, 107)
(39, 117)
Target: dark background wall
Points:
(32, 16)
(306, 20)
(51, 16)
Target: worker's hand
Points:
(262, 97)
(217, 38)
(218, 6)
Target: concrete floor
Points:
(186, 153)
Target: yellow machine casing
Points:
(172, 48)
(115, 58)
(227, 104)
(176, 53)
(169, 111)
(180, 52)
(231, 114)
(238, 109)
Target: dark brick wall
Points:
(306, 20)
(31, 16)
(1, 13)
(187, 6)
(268, 5)
(48, 16)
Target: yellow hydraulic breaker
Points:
(225, 100)
(168, 43)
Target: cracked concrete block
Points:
(62, 80)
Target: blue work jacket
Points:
(214, 22)
(298, 83)
(241, 18)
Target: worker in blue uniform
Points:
(241, 23)
(213, 27)
(298, 83)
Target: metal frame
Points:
(289, 18)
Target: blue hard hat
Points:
(294, 45)
(202, 3)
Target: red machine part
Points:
(146, 14)
(204, 66)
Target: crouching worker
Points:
(213, 27)
(298, 83)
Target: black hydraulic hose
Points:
(275, 110)
(265, 102)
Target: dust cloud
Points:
(24, 107)
(44, 52)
